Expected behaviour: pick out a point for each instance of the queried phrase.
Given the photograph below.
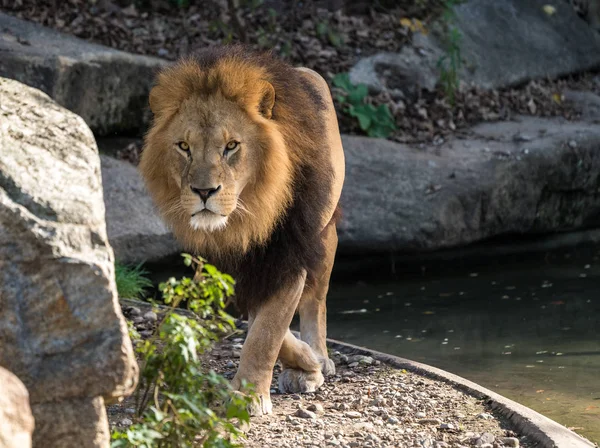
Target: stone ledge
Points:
(106, 87)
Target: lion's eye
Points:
(231, 147)
(183, 146)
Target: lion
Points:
(245, 163)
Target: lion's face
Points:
(215, 161)
(214, 152)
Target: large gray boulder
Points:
(16, 420)
(503, 43)
(530, 177)
(107, 88)
(61, 328)
(135, 231)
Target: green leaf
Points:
(358, 94)
(342, 81)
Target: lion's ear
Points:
(267, 101)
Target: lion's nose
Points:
(205, 193)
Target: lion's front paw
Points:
(327, 366)
(261, 403)
(299, 381)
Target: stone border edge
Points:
(546, 433)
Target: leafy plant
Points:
(375, 121)
(132, 281)
(449, 65)
(178, 402)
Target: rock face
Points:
(586, 103)
(403, 74)
(513, 178)
(107, 88)
(16, 421)
(61, 329)
(503, 43)
(135, 231)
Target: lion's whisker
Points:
(243, 209)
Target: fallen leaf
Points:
(557, 98)
(590, 407)
(549, 9)
(541, 391)
(406, 22)
(420, 27)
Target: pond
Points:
(525, 327)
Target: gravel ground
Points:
(366, 404)
(328, 41)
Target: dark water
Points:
(528, 329)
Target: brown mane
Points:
(280, 238)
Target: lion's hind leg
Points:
(313, 309)
(301, 367)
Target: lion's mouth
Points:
(207, 212)
(208, 220)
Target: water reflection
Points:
(528, 329)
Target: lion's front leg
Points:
(313, 309)
(268, 326)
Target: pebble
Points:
(316, 407)
(352, 365)
(353, 414)
(485, 416)
(485, 438)
(230, 364)
(448, 426)
(429, 421)
(379, 401)
(126, 422)
(151, 316)
(420, 415)
(236, 353)
(304, 413)
(510, 441)
(572, 144)
(137, 320)
(146, 333)
(393, 421)
(135, 311)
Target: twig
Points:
(238, 22)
